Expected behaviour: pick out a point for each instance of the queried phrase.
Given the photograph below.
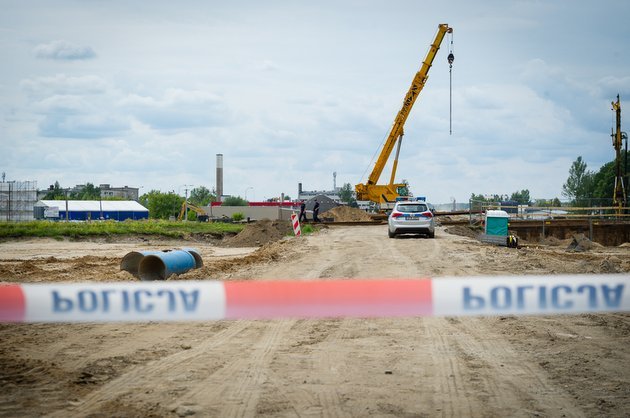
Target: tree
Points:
(404, 190)
(162, 205)
(579, 185)
(55, 192)
(542, 203)
(521, 197)
(490, 199)
(88, 192)
(235, 201)
(346, 195)
(201, 196)
(604, 179)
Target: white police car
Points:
(411, 217)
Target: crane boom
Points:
(389, 192)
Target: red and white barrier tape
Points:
(213, 300)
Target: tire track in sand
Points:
(484, 375)
(153, 378)
(237, 386)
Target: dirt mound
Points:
(463, 231)
(580, 243)
(347, 214)
(260, 233)
(215, 269)
(552, 241)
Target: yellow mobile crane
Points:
(384, 193)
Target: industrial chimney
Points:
(219, 176)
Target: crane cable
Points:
(450, 58)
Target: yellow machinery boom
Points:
(382, 193)
(201, 214)
(619, 192)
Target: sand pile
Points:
(260, 233)
(581, 243)
(346, 214)
(463, 231)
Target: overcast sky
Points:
(145, 94)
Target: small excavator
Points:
(385, 195)
(201, 214)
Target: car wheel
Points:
(391, 234)
(432, 234)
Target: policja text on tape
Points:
(214, 300)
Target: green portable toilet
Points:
(497, 222)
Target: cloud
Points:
(586, 103)
(64, 84)
(178, 109)
(90, 106)
(611, 86)
(68, 104)
(64, 51)
(268, 65)
(293, 93)
(89, 126)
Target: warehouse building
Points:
(83, 210)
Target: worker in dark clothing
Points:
(302, 212)
(316, 211)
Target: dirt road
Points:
(492, 366)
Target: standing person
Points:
(302, 212)
(316, 211)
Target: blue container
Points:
(162, 265)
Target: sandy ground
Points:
(577, 365)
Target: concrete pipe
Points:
(196, 255)
(131, 261)
(162, 265)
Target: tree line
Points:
(161, 205)
(165, 205)
(88, 192)
(582, 188)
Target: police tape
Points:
(215, 300)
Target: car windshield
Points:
(411, 208)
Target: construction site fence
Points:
(603, 210)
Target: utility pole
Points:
(100, 202)
(66, 194)
(186, 200)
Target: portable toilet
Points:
(497, 222)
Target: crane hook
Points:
(450, 58)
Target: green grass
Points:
(108, 228)
(307, 229)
